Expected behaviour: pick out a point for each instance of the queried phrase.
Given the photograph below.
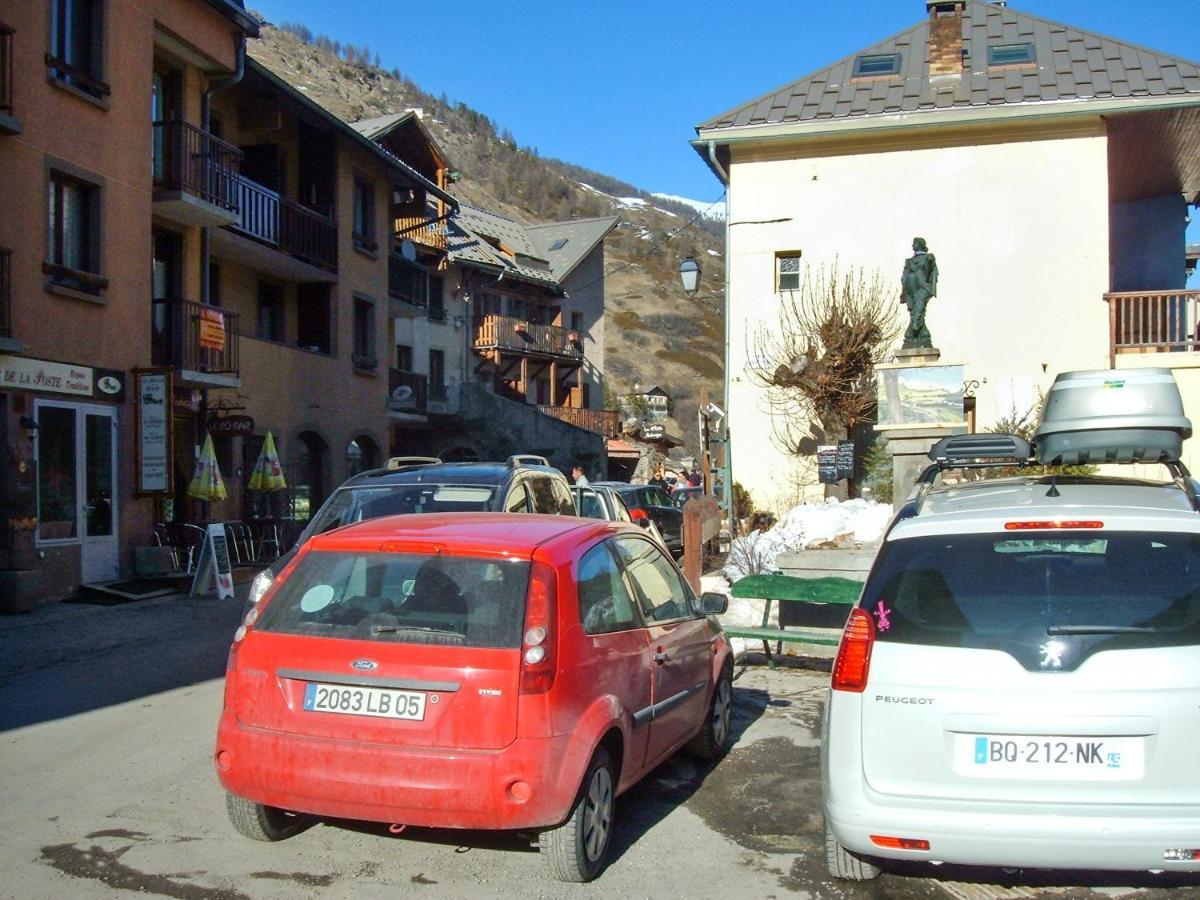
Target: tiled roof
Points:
(579, 236)
(371, 128)
(470, 241)
(1071, 64)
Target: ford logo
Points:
(367, 664)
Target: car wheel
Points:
(262, 823)
(717, 734)
(576, 849)
(845, 865)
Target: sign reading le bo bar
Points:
(240, 425)
(28, 374)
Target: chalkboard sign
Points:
(845, 459)
(827, 464)
(214, 561)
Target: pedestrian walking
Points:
(660, 478)
(578, 477)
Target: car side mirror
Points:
(713, 604)
(645, 523)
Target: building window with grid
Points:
(73, 248)
(364, 334)
(76, 53)
(437, 375)
(270, 312)
(787, 270)
(364, 215)
(404, 357)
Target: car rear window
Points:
(402, 598)
(1088, 590)
(359, 503)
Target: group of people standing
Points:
(693, 478)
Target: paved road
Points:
(107, 718)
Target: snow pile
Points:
(808, 527)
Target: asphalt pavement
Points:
(107, 721)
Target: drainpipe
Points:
(205, 120)
(727, 446)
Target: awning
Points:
(619, 449)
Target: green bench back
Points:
(831, 589)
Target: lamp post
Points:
(689, 275)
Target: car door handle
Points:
(659, 657)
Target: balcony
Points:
(195, 175)
(1153, 322)
(407, 394)
(606, 422)
(286, 227)
(506, 334)
(9, 124)
(6, 339)
(417, 229)
(200, 342)
(408, 283)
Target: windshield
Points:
(361, 502)
(402, 598)
(1086, 590)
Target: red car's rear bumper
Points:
(521, 786)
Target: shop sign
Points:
(110, 385)
(237, 425)
(653, 432)
(212, 329)
(154, 431)
(24, 373)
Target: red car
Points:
(473, 670)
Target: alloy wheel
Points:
(597, 814)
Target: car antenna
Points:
(1054, 491)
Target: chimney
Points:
(945, 36)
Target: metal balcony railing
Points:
(1153, 321)
(296, 230)
(407, 391)
(606, 422)
(189, 159)
(6, 70)
(407, 282)
(514, 335)
(6, 293)
(194, 337)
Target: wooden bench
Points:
(831, 591)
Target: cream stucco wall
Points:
(1020, 230)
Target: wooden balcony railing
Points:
(417, 229)
(407, 391)
(6, 293)
(288, 226)
(6, 70)
(1153, 321)
(407, 282)
(606, 422)
(519, 336)
(194, 337)
(187, 158)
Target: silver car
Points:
(1019, 684)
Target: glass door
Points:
(98, 500)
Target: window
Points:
(270, 312)
(74, 234)
(437, 305)
(404, 358)
(559, 244)
(787, 270)
(489, 305)
(1011, 54)
(214, 284)
(77, 45)
(868, 66)
(57, 472)
(364, 334)
(604, 602)
(662, 593)
(518, 307)
(577, 322)
(518, 500)
(364, 215)
(407, 281)
(437, 375)
(313, 316)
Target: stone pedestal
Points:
(920, 402)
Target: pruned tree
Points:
(818, 361)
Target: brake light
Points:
(638, 515)
(899, 843)
(539, 641)
(1034, 526)
(854, 653)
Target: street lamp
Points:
(689, 274)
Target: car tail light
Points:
(899, 843)
(1181, 855)
(538, 644)
(854, 653)
(1035, 526)
(638, 515)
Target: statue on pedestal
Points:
(918, 285)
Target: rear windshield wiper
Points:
(419, 629)
(1100, 629)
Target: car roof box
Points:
(1112, 416)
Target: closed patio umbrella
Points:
(207, 483)
(267, 475)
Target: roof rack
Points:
(526, 459)
(976, 451)
(404, 462)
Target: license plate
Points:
(1043, 757)
(386, 703)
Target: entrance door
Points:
(77, 481)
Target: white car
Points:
(1019, 685)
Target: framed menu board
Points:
(154, 430)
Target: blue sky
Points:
(619, 87)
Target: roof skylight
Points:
(1011, 54)
(869, 65)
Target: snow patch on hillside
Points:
(709, 209)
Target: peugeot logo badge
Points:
(1052, 652)
(365, 664)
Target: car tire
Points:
(716, 735)
(575, 851)
(262, 823)
(845, 865)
